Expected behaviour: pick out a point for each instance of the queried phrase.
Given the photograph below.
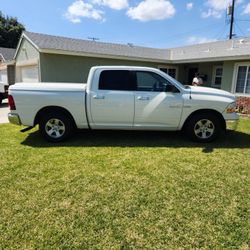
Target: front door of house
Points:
(191, 74)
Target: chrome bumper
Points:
(231, 124)
(14, 119)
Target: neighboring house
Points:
(222, 64)
(7, 65)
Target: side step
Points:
(26, 129)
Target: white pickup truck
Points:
(125, 98)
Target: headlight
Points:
(231, 108)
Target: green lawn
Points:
(124, 190)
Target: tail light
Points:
(11, 102)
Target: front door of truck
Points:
(112, 102)
(158, 104)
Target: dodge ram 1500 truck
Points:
(125, 98)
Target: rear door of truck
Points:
(112, 100)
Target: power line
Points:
(222, 32)
(203, 28)
(242, 20)
(243, 33)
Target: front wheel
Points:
(203, 128)
(56, 127)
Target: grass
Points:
(124, 190)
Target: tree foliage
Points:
(10, 31)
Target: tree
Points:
(10, 31)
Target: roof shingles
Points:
(84, 46)
(7, 53)
(200, 52)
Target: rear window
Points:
(116, 80)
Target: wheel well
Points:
(207, 111)
(55, 109)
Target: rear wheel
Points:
(56, 127)
(203, 127)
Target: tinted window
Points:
(149, 81)
(116, 80)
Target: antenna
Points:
(130, 44)
(94, 39)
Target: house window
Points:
(170, 71)
(243, 80)
(217, 76)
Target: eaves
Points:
(99, 55)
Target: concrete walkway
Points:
(4, 110)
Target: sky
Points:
(150, 23)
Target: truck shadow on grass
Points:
(100, 138)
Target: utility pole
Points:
(231, 12)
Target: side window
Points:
(115, 80)
(150, 81)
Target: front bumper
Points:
(14, 119)
(231, 124)
(231, 120)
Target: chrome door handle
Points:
(98, 96)
(143, 98)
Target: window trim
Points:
(234, 81)
(215, 67)
(170, 67)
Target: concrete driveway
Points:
(4, 110)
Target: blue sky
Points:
(151, 23)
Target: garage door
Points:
(3, 76)
(29, 74)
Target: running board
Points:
(26, 129)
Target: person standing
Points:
(197, 80)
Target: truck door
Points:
(112, 100)
(158, 104)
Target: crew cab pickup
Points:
(124, 98)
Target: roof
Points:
(48, 43)
(213, 51)
(7, 54)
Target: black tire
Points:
(203, 127)
(56, 127)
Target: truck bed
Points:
(29, 99)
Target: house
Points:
(7, 65)
(222, 64)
